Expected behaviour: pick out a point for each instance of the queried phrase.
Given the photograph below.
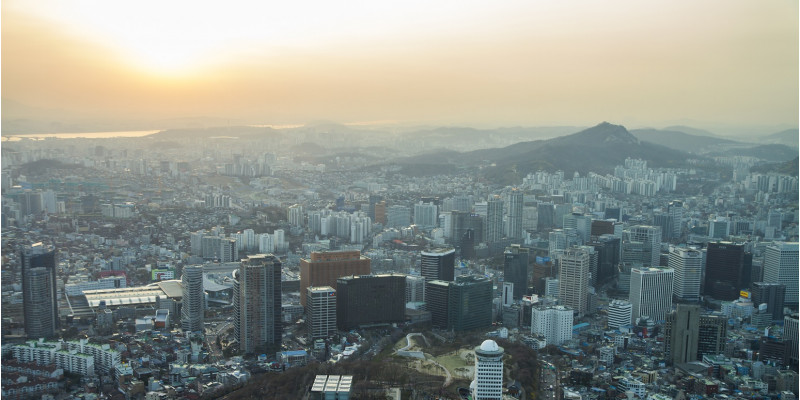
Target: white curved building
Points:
(488, 382)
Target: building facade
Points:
(320, 311)
(39, 297)
(488, 381)
(651, 292)
(324, 268)
(257, 302)
(193, 308)
(370, 299)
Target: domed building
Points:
(488, 382)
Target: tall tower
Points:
(688, 266)
(515, 269)
(323, 268)
(651, 292)
(675, 212)
(320, 311)
(650, 237)
(712, 335)
(781, 266)
(573, 280)
(515, 203)
(790, 335)
(771, 294)
(728, 270)
(193, 308)
(438, 264)
(554, 323)
(469, 305)
(488, 382)
(258, 303)
(39, 299)
(494, 220)
(681, 336)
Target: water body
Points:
(86, 135)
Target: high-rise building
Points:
(651, 292)
(573, 280)
(324, 268)
(545, 216)
(771, 294)
(608, 249)
(507, 296)
(790, 336)
(554, 323)
(193, 308)
(688, 266)
(320, 311)
(581, 223)
(712, 335)
(461, 222)
(515, 269)
(488, 380)
(257, 302)
(398, 216)
(728, 270)
(294, 214)
(437, 296)
(675, 212)
(494, 220)
(781, 266)
(470, 303)
(415, 289)
(426, 215)
(39, 298)
(438, 264)
(650, 238)
(619, 313)
(370, 299)
(682, 329)
(516, 200)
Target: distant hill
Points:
(598, 149)
(691, 131)
(247, 132)
(788, 168)
(767, 152)
(789, 137)
(682, 141)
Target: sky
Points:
(480, 63)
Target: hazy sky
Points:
(480, 63)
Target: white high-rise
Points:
(494, 220)
(650, 237)
(651, 292)
(619, 313)
(320, 311)
(781, 266)
(193, 308)
(488, 381)
(573, 278)
(688, 266)
(516, 200)
(426, 215)
(554, 323)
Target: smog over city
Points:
(412, 200)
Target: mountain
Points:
(767, 152)
(788, 137)
(597, 149)
(788, 167)
(691, 131)
(682, 141)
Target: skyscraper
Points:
(437, 296)
(488, 380)
(712, 334)
(790, 336)
(781, 266)
(438, 264)
(650, 237)
(39, 299)
(320, 311)
(554, 323)
(688, 266)
(651, 292)
(323, 268)
(426, 215)
(515, 204)
(258, 302)
(771, 294)
(728, 270)
(470, 303)
(515, 269)
(370, 299)
(681, 334)
(193, 308)
(574, 280)
(675, 212)
(494, 220)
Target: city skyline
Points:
(711, 64)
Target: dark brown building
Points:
(324, 268)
